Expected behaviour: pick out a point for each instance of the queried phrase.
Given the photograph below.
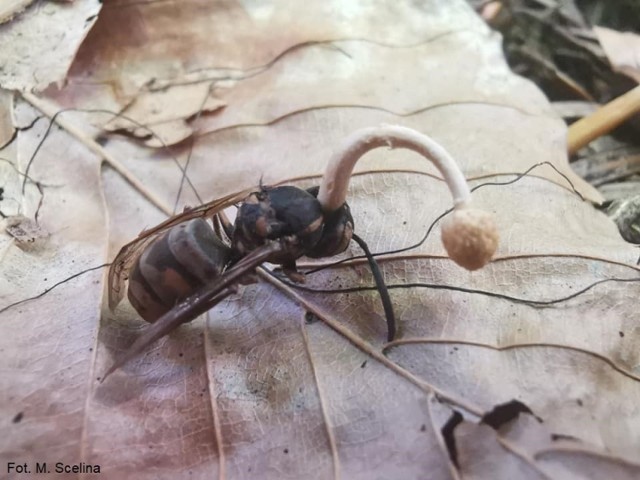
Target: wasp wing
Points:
(119, 270)
(198, 303)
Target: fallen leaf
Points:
(40, 43)
(165, 39)
(11, 8)
(6, 123)
(265, 96)
(164, 113)
(26, 232)
(622, 49)
(529, 450)
(281, 383)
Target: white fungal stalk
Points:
(468, 234)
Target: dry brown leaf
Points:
(289, 384)
(39, 44)
(622, 49)
(10, 8)
(529, 449)
(138, 38)
(47, 345)
(7, 128)
(164, 113)
(280, 89)
(157, 40)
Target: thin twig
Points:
(603, 121)
(51, 111)
(47, 290)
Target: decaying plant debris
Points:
(567, 49)
(525, 369)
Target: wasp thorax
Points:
(273, 213)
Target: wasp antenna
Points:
(381, 286)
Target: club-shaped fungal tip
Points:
(470, 237)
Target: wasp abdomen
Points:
(174, 267)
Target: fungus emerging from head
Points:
(469, 235)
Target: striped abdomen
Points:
(174, 267)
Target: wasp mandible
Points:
(183, 267)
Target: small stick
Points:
(51, 110)
(604, 120)
(469, 235)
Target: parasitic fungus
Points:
(469, 234)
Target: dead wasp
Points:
(181, 268)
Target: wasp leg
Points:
(382, 288)
(291, 271)
(198, 303)
(225, 223)
(165, 324)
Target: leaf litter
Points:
(40, 43)
(265, 366)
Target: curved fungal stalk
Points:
(469, 235)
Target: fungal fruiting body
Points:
(469, 235)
